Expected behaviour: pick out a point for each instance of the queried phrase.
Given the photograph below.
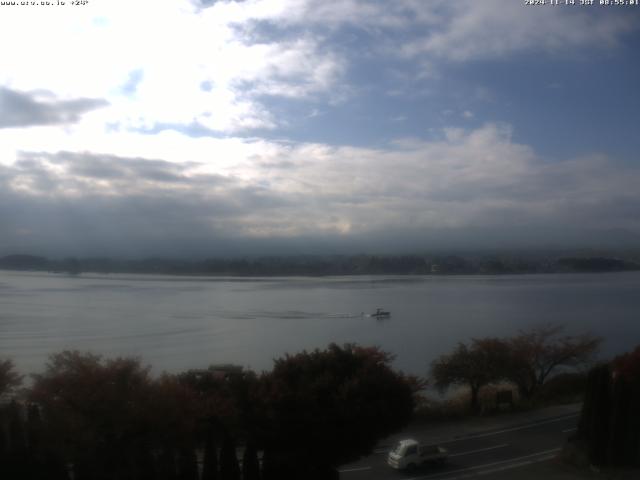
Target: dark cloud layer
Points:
(26, 109)
(84, 204)
(91, 204)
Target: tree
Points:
(329, 407)
(173, 413)
(476, 365)
(167, 469)
(538, 352)
(95, 410)
(13, 456)
(628, 365)
(187, 464)
(609, 426)
(250, 463)
(229, 467)
(210, 460)
(625, 435)
(225, 397)
(9, 378)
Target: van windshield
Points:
(397, 449)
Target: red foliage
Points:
(628, 365)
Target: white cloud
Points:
(229, 187)
(455, 31)
(175, 49)
(470, 30)
(468, 178)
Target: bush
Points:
(563, 388)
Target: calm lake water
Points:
(175, 323)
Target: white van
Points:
(409, 454)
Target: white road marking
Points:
(498, 432)
(488, 434)
(478, 450)
(359, 469)
(481, 435)
(503, 468)
(544, 455)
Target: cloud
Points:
(155, 75)
(471, 30)
(26, 109)
(409, 192)
(441, 29)
(218, 64)
(175, 158)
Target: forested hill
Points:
(335, 265)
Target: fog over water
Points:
(174, 323)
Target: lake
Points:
(175, 323)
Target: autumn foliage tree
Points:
(96, 411)
(480, 363)
(110, 419)
(172, 419)
(627, 366)
(329, 407)
(227, 409)
(9, 378)
(538, 352)
(527, 360)
(226, 399)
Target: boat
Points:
(381, 313)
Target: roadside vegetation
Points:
(85, 417)
(608, 432)
(91, 418)
(537, 366)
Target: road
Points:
(480, 453)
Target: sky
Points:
(214, 128)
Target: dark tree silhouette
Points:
(229, 468)
(609, 427)
(250, 464)
(167, 469)
(187, 464)
(173, 413)
(145, 467)
(101, 408)
(329, 407)
(269, 465)
(13, 444)
(9, 378)
(109, 419)
(538, 352)
(476, 365)
(225, 396)
(210, 460)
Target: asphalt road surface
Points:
(477, 454)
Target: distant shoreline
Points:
(337, 265)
